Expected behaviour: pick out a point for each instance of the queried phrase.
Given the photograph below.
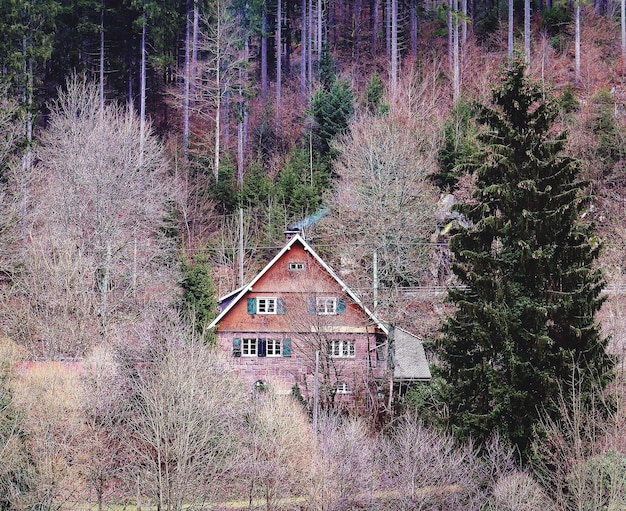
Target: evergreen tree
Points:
(528, 289)
(199, 302)
(459, 143)
(331, 108)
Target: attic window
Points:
(296, 266)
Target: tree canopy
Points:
(528, 287)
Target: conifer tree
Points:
(524, 324)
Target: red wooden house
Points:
(297, 318)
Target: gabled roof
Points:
(297, 238)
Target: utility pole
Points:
(241, 247)
(316, 391)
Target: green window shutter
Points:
(261, 348)
(341, 306)
(236, 347)
(251, 305)
(311, 306)
(286, 347)
(280, 306)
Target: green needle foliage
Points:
(529, 289)
(199, 300)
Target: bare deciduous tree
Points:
(96, 256)
(48, 396)
(383, 205)
(581, 458)
(277, 453)
(343, 472)
(187, 424)
(428, 468)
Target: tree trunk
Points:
(510, 28)
(577, 41)
(394, 47)
(102, 55)
(388, 29)
(320, 28)
(450, 38)
(264, 54)
(527, 30)
(310, 44)
(456, 72)
(288, 38)
(375, 25)
(464, 22)
(303, 53)
(187, 78)
(623, 20)
(279, 53)
(142, 92)
(414, 27)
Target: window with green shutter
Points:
(251, 305)
(341, 306)
(286, 347)
(236, 347)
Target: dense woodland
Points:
(152, 154)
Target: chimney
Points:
(291, 232)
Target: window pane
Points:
(249, 347)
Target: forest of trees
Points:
(474, 147)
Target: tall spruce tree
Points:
(524, 323)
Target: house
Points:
(298, 325)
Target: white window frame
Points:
(267, 305)
(296, 266)
(249, 347)
(273, 347)
(342, 348)
(326, 305)
(341, 387)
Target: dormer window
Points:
(296, 266)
